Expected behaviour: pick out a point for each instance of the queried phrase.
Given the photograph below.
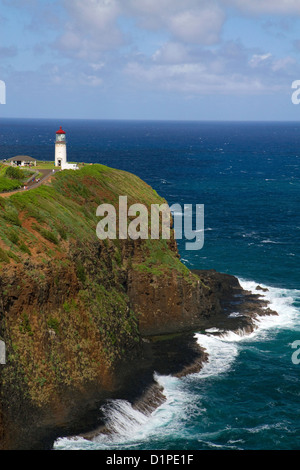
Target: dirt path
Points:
(46, 175)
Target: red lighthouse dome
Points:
(60, 131)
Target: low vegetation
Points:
(66, 210)
(12, 178)
(48, 236)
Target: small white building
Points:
(69, 166)
(61, 152)
(22, 160)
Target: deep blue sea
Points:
(247, 176)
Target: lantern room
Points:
(60, 135)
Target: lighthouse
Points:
(60, 148)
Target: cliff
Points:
(84, 320)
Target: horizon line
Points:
(153, 119)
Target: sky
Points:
(150, 59)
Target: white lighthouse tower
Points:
(61, 152)
(60, 148)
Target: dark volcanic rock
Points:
(179, 354)
(176, 355)
(237, 308)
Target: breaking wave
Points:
(129, 428)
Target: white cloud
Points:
(90, 80)
(98, 66)
(191, 21)
(91, 28)
(94, 26)
(100, 15)
(166, 46)
(229, 69)
(257, 59)
(72, 78)
(282, 7)
(271, 64)
(201, 26)
(154, 14)
(195, 79)
(171, 53)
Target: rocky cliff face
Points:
(84, 320)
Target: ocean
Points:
(247, 396)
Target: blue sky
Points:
(150, 59)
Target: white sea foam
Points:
(213, 330)
(281, 301)
(221, 355)
(122, 418)
(235, 315)
(130, 428)
(223, 349)
(75, 443)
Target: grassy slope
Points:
(66, 209)
(41, 227)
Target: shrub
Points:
(25, 326)
(7, 184)
(67, 307)
(4, 256)
(12, 217)
(62, 232)
(49, 236)
(24, 248)
(13, 237)
(81, 273)
(14, 173)
(53, 323)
